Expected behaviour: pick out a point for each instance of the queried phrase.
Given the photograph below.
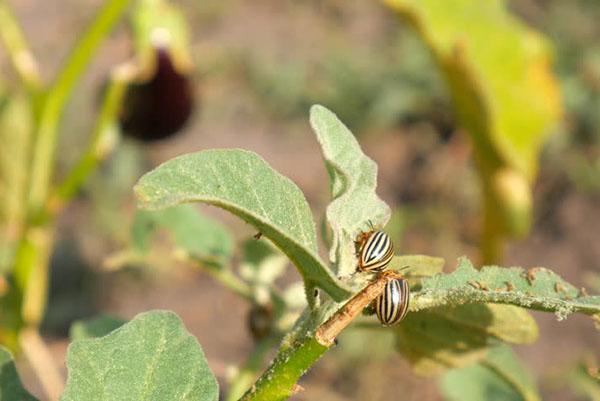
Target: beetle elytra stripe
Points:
(392, 305)
(376, 252)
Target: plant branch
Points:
(45, 145)
(278, 382)
(102, 141)
(227, 279)
(247, 375)
(18, 50)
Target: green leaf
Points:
(536, 288)
(353, 180)
(160, 23)
(198, 236)
(585, 379)
(449, 337)
(11, 388)
(153, 357)
(245, 185)
(499, 377)
(94, 327)
(15, 142)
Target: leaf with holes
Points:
(537, 288)
(352, 181)
(244, 184)
(153, 357)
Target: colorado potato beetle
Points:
(392, 305)
(375, 251)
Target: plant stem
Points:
(18, 50)
(247, 375)
(278, 382)
(40, 359)
(224, 276)
(31, 272)
(102, 142)
(45, 146)
(492, 239)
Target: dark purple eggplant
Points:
(159, 107)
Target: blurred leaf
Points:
(537, 288)
(498, 71)
(244, 184)
(15, 138)
(198, 236)
(160, 24)
(448, 337)
(94, 327)
(262, 263)
(151, 357)
(585, 380)
(352, 179)
(11, 388)
(499, 377)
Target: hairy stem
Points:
(278, 382)
(254, 363)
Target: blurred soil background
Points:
(260, 65)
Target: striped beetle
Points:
(375, 251)
(392, 305)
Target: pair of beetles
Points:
(375, 251)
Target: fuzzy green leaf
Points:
(94, 327)
(198, 236)
(11, 388)
(449, 337)
(153, 357)
(244, 184)
(353, 180)
(499, 377)
(536, 288)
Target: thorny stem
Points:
(278, 382)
